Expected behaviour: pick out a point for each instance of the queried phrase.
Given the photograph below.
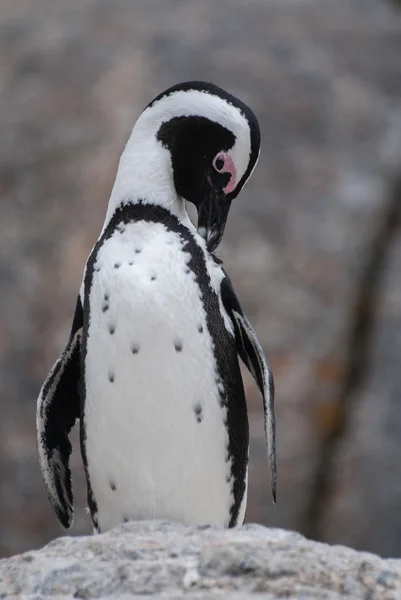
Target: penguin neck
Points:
(145, 176)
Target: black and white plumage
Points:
(151, 367)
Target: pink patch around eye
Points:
(228, 167)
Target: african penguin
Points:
(151, 367)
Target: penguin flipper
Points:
(251, 352)
(58, 408)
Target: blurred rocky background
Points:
(313, 245)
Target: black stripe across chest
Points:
(227, 374)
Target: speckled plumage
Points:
(163, 368)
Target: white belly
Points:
(156, 441)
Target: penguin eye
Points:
(224, 164)
(219, 162)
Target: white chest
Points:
(156, 440)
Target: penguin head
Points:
(213, 141)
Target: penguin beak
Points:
(212, 217)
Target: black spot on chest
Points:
(178, 345)
(198, 410)
(106, 304)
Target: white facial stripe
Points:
(202, 104)
(252, 170)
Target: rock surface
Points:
(165, 560)
(324, 78)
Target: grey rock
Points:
(166, 560)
